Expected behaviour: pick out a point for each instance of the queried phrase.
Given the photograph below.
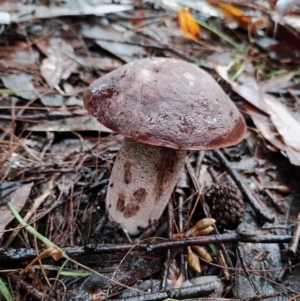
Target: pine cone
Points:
(226, 204)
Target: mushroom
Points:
(164, 107)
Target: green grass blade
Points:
(4, 291)
(31, 230)
(221, 35)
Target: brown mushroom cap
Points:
(166, 102)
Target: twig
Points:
(200, 158)
(241, 257)
(186, 292)
(182, 261)
(277, 204)
(29, 289)
(168, 257)
(223, 264)
(292, 249)
(27, 254)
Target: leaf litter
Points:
(281, 117)
(50, 52)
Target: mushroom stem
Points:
(141, 183)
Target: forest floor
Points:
(56, 240)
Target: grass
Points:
(4, 291)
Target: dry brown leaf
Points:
(277, 83)
(21, 84)
(31, 12)
(188, 24)
(280, 115)
(58, 65)
(285, 123)
(17, 199)
(293, 156)
(249, 90)
(234, 14)
(264, 125)
(125, 52)
(179, 282)
(71, 124)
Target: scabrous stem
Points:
(141, 183)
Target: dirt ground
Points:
(231, 228)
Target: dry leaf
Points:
(293, 155)
(17, 199)
(249, 89)
(285, 123)
(280, 115)
(264, 125)
(276, 83)
(58, 65)
(284, 6)
(19, 12)
(125, 52)
(21, 84)
(69, 124)
(179, 282)
(234, 14)
(188, 24)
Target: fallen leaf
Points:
(293, 21)
(293, 156)
(188, 24)
(104, 32)
(281, 117)
(125, 52)
(72, 124)
(285, 123)
(236, 15)
(58, 65)
(17, 199)
(284, 45)
(99, 63)
(248, 90)
(277, 83)
(284, 6)
(264, 125)
(30, 12)
(21, 84)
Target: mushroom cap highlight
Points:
(166, 102)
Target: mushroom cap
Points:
(166, 102)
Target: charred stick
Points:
(292, 249)
(255, 298)
(180, 228)
(241, 257)
(277, 204)
(179, 293)
(168, 257)
(29, 290)
(27, 254)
